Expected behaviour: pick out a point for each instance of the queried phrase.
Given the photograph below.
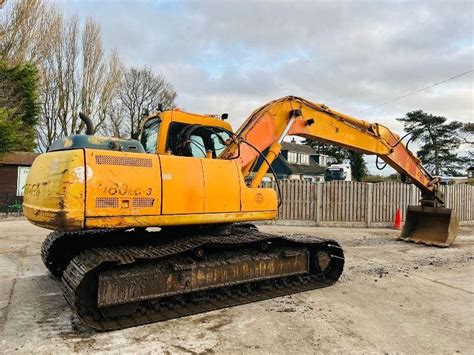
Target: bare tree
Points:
(109, 90)
(67, 78)
(60, 83)
(93, 66)
(48, 127)
(25, 31)
(140, 91)
(115, 124)
(77, 76)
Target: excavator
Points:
(158, 228)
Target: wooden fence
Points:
(361, 203)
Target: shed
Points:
(14, 168)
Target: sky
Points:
(234, 56)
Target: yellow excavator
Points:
(195, 179)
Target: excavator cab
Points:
(185, 134)
(437, 226)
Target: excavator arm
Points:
(267, 126)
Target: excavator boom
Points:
(268, 125)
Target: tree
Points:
(466, 135)
(468, 127)
(19, 107)
(338, 155)
(77, 76)
(140, 91)
(358, 166)
(25, 31)
(466, 132)
(438, 139)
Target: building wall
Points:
(8, 178)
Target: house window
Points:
(323, 160)
(292, 157)
(298, 158)
(303, 159)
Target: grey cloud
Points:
(233, 56)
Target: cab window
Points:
(198, 149)
(196, 140)
(150, 135)
(218, 140)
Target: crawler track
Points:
(59, 248)
(138, 255)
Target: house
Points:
(14, 168)
(470, 172)
(298, 162)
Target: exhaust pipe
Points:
(437, 226)
(88, 122)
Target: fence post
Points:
(413, 195)
(446, 197)
(319, 198)
(370, 188)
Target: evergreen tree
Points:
(468, 127)
(338, 155)
(467, 138)
(438, 139)
(358, 166)
(19, 107)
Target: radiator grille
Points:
(143, 202)
(123, 161)
(106, 202)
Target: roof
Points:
(18, 158)
(470, 168)
(311, 169)
(298, 148)
(306, 169)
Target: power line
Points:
(417, 91)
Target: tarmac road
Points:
(393, 297)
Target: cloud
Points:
(233, 56)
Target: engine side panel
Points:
(122, 184)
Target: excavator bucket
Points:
(431, 226)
